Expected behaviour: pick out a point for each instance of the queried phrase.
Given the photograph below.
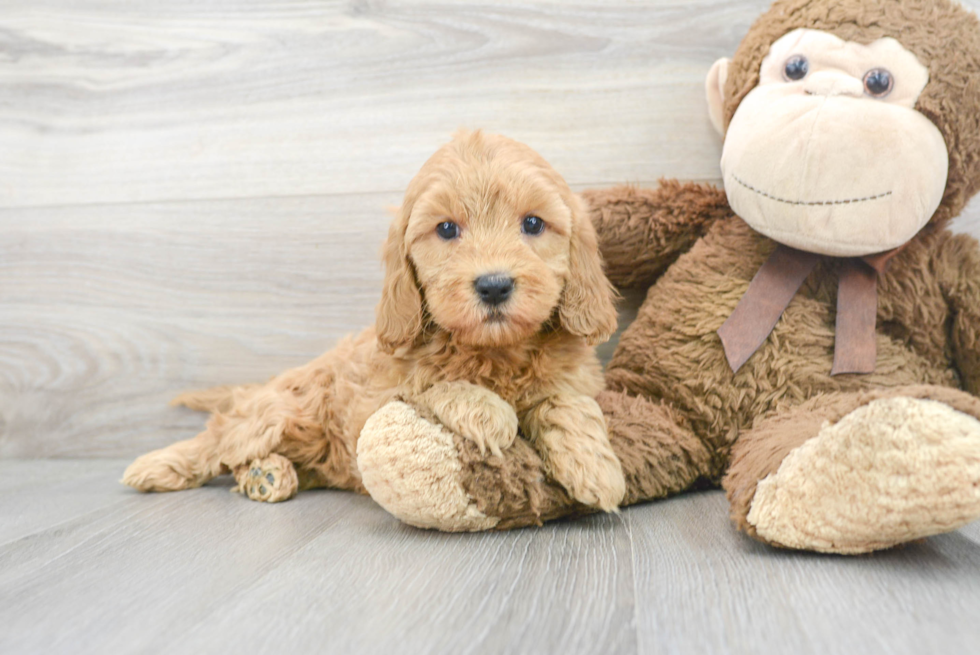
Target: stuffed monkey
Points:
(810, 338)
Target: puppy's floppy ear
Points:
(399, 314)
(587, 308)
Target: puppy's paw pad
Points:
(270, 480)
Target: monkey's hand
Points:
(642, 231)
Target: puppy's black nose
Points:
(494, 289)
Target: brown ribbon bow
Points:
(774, 286)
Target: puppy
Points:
(493, 298)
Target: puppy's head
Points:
(489, 244)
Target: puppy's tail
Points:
(215, 399)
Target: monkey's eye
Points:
(532, 225)
(878, 82)
(447, 230)
(796, 68)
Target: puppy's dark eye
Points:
(532, 225)
(447, 230)
(878, 82)
(796, 68)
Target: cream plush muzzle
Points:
(820, 165)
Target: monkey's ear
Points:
(587, 307)
(399, 314)
(714, 88)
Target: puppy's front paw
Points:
(473, 412)
(269, 480)
(569, 432)
(591, 474)
(492, 424)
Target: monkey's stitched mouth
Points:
(811, 202)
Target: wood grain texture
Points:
(565, 589)
(716, 591)
(194, 194)
(108, 311)
(117, 102)
(330, 572)
(119, 578)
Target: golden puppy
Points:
(493, 298)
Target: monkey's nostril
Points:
(494, 288)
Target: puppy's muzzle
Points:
(494, 289)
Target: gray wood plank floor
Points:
(194, 193)
(88, 566)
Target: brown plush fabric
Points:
(513, 487)
(958, 265)
(928, 335)
(671, 351)
(642, 231)
(942, 34)
(660, 454)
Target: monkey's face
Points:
(828, 154)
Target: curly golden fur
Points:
(485, 371)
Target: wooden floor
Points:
(194, 193)
(87, 566)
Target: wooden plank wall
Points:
(194, 193)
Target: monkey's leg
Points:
(857, 472)
(429, 477)
(660, 454)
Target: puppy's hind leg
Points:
(270, 479)
(183, 465)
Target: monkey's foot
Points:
(889, 472)
(270, 480)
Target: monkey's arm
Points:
(642, 231)
(960, 271)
